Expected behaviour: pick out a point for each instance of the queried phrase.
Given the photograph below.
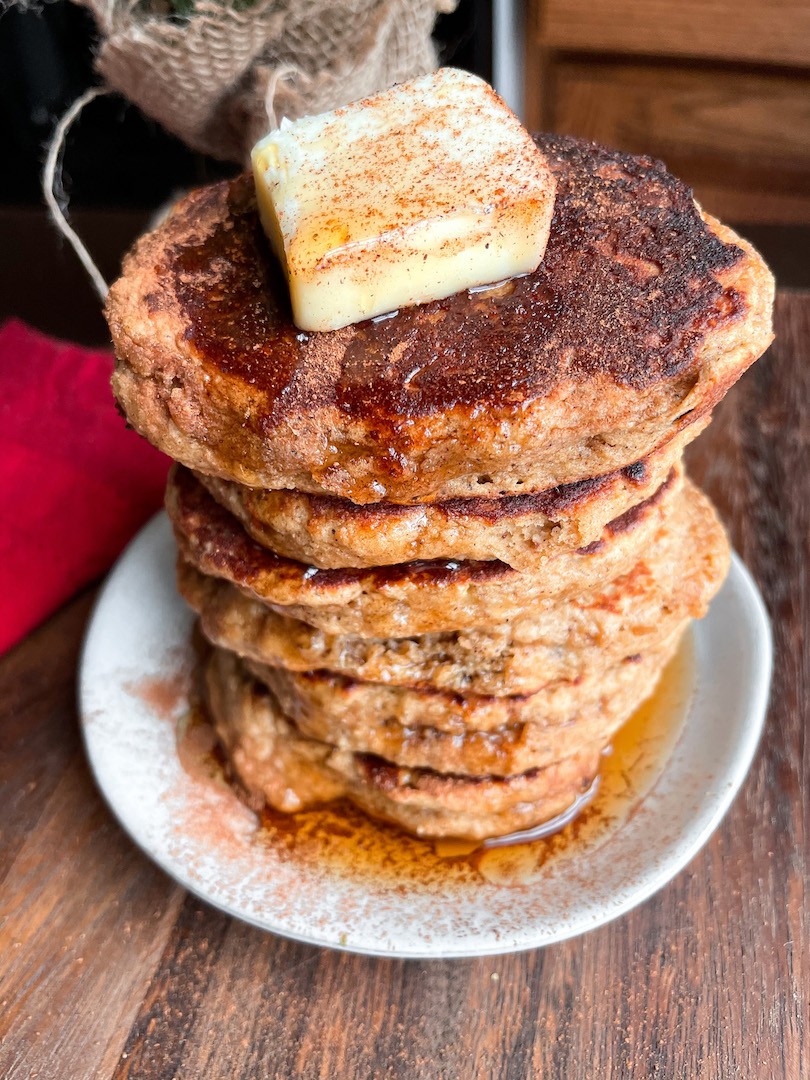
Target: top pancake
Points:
(639, 318)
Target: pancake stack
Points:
(442, 556)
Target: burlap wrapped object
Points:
(223, 77)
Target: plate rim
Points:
(758, 628)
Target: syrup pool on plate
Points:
(342, 839)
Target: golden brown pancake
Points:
(519, 530)
(278, 765)
(641, 315)
(412, 598)
(467, 735)
(578, 639)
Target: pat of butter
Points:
(421, 191)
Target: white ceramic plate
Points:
(133, 690)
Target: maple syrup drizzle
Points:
(343, 839)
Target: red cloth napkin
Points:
(75, 484)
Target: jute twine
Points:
(224, 77)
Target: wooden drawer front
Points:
(745, 136)
(766, 31)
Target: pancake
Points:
(673, 581)
(412, 598)
(279, 766)
(640, 317)
(470, 735)
(519, 530)
(571, 643)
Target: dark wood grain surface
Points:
(109, 970)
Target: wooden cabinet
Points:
(719, 90)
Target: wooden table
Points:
(107, 969)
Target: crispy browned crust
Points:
(638, 320)
(520, 530)
(410, 598)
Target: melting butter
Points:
(419, 192)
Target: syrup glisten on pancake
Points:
(411, 195)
